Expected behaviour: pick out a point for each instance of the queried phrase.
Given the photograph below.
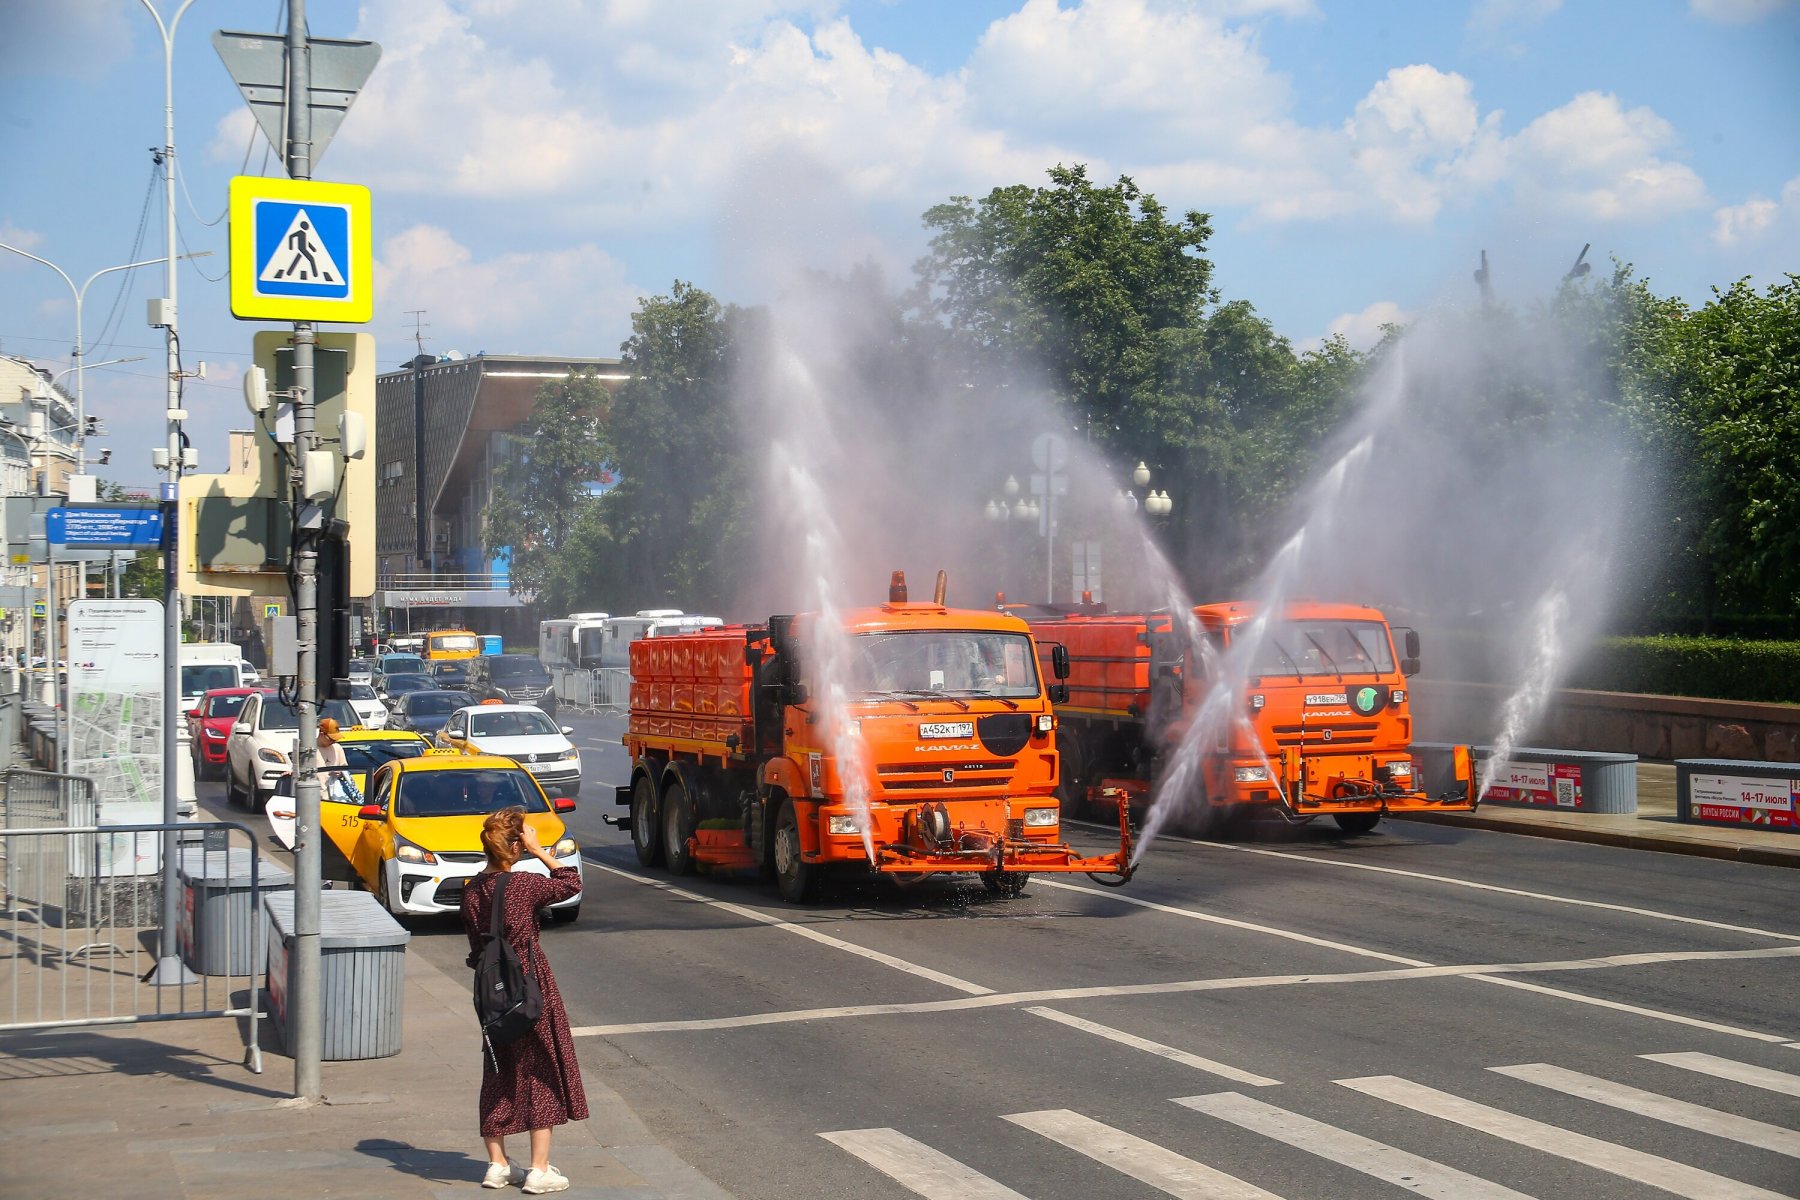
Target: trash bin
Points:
(362, 972)
(219, 911)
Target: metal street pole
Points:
(170, 971)
(303, 963)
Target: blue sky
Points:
(539, 165)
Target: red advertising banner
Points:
(1745, 800)
(1547, 785)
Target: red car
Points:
(209, 724)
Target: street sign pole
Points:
(308, 864)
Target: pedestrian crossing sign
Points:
(300, 251)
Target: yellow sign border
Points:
(246, 305)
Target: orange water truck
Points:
(942, 760)
(1321, 726)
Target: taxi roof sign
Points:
(301, 250)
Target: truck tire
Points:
(1356, 823)
(646, 831)
(1072, 783)
(1006, 884)
(796, 879)
(677, 813)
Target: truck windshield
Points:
(952, 662)
(201, 678)
(1325, 648)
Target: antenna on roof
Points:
(420, 325)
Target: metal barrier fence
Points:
(79, 915)
(603, 690)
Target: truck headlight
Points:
(1046, 723)
(1257, 700)
(1040, 817)
(1251, 774)
(565, 849)
(1400, 770)
(1397, 696)
(842, 826)
(407, 852)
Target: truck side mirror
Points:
(1409, 666)
(1412, 644)
(797, 693)
(1059, 693)
(1059, 661)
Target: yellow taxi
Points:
(364, 751)
(413, 836)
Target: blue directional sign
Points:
(300, 250)
(104, 528)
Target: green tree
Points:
(677, 513)
(543, 489)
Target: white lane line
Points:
(1658, 1107)
(917, 1167)
(786, 926)
(1193, 914)
(1478, 975)
(1144, 1161)
(1211, 1066)
(1647, 1169)
(1547, 897)
(1230, 983)
(1421, 1176)
(1727, 1068)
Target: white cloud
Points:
(1593, 158)
(569, 300)
(1736, 12)
(1361, 329)
(24, 239)
(1752, 220)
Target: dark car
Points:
(392, 687)
(511, 679)
(451, 672)
(426, 711)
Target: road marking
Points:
(1144, 1161)
(1230, 983)
(1475, 974)
(824, 939)
(1737, 1072)
(1647, 1169)
(1655, 914)
(1658, 1107)
(917, 1167)
(1157, 1048)
(1398, 1167)
(1193, 914)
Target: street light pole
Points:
(170, 970)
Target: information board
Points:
(1745, 800)
(1546, 785)
(115, 721)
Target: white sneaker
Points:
(539, 1183)
(501, 1175)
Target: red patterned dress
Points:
(535, 1082)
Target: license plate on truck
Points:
(946, 729)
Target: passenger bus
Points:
(441, 644)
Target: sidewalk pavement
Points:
(169, 1110)
(1652, 827)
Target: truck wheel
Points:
(677, 827)
(646, 835)
(1355, 823)
(1006, 884)
(795, 878)
(1072, 786)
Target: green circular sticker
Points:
(1366, 699)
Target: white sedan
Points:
(523, 733)
(370, 711)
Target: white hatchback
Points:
(523, 733)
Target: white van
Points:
(572, 641)
(615, 644)
(206, 666)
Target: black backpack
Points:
(507, 1000)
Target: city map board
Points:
(115, 721)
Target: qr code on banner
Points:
(1565, 793)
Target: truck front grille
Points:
(922, 777)
(1326, 733)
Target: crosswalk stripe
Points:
(1144, 1161)
(917, 1167)
(1658, 1107)
(1223, 1070)
(1727, 1068)
(1418, 1175)
(1648, 1169)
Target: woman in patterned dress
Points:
(533, 1083)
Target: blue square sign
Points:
(301, 249)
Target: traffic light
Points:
(334, 612)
